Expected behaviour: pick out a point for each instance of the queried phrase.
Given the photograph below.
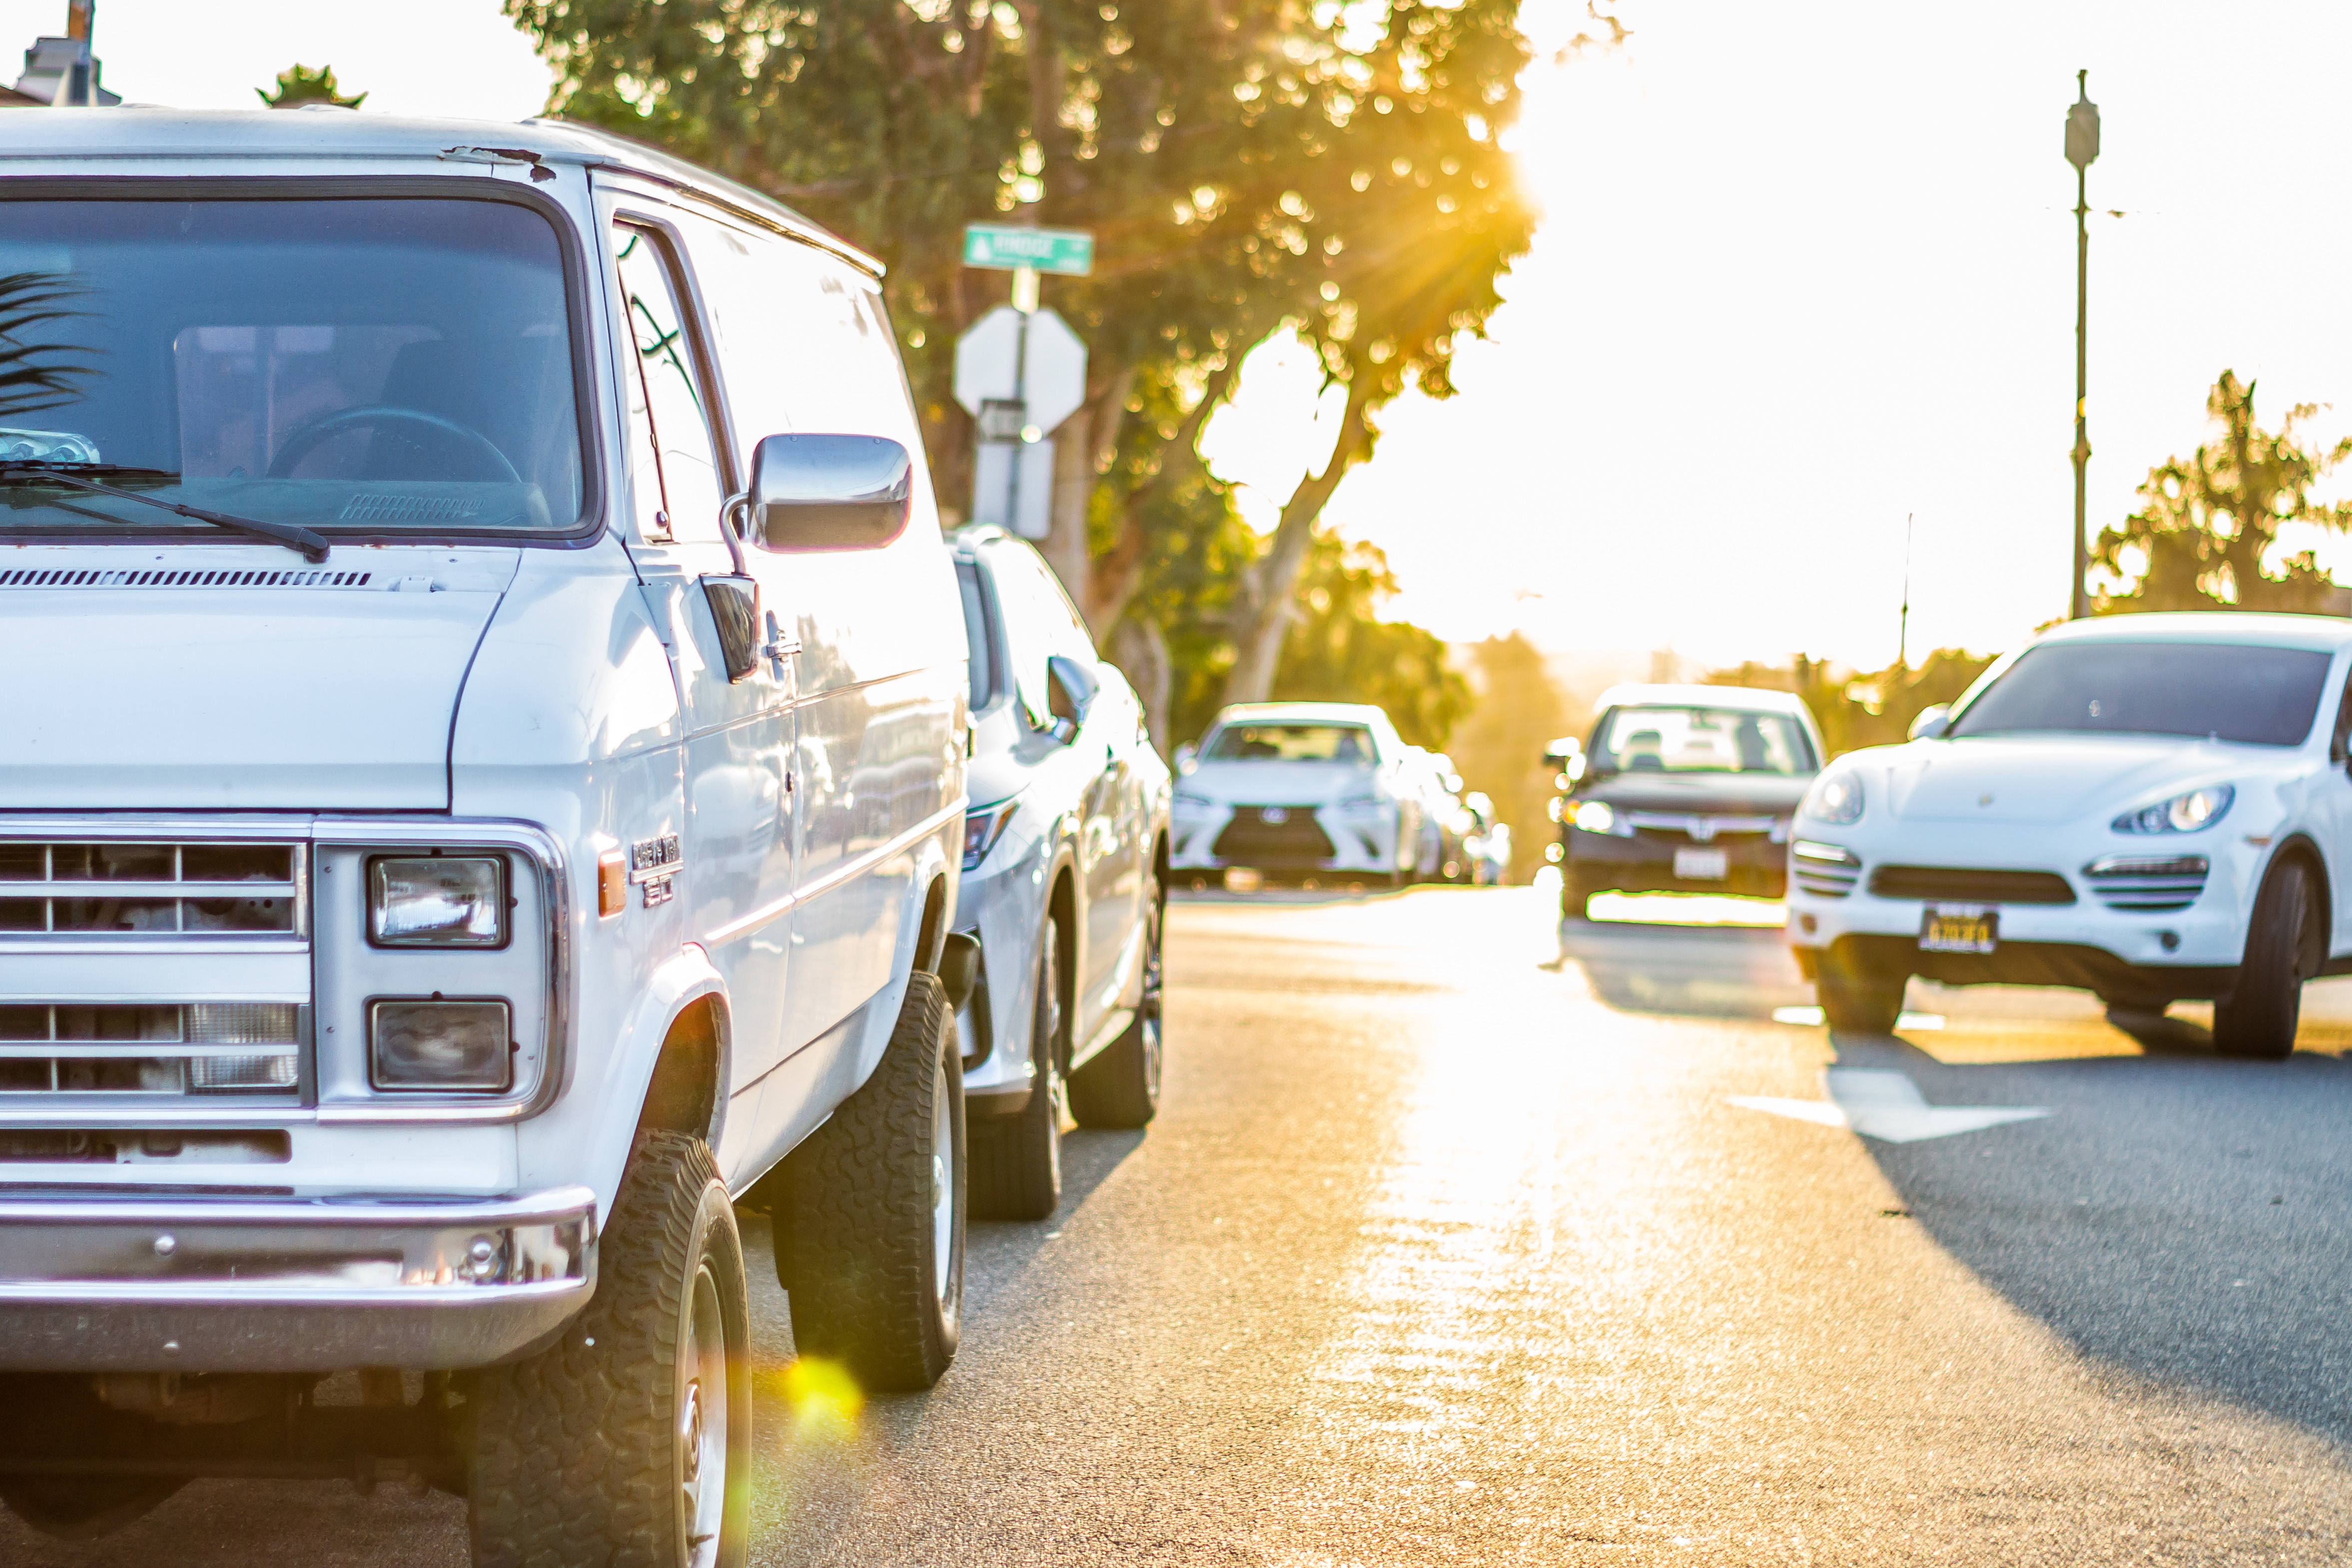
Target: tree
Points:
(2205, 535)
(1854, 710)
(1498, 747)
(1339, 650)
(35, 374)
(1248, 166)
(298, 85)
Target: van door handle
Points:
(780, 646)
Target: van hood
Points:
(322, 689)
(2049, 778)
(1251, 782)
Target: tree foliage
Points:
(35, 373)
(298, 85)
(1246, 165)
(1339, 650)
(1855, 710)
(2205, 537)
(1518, 708)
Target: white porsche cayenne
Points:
(2152, 808)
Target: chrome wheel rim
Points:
(702, 1420)
(1149, 1009)
(942, 1183)
(1045, 1051)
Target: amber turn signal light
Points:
(611, 883)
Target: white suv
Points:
(2153, 808)
(485, 795)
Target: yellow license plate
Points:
(1959, 928)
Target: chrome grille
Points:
(149, 1047)
(117, 889)
(1824, 870)
(1698, 828)
(90, 577)
(2146, 885)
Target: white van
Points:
(481, 787)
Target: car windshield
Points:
(1351, 743)
(384, 365)
(1677, 739)
(2262, 697)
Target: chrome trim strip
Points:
(519, 1209)
(441, 1297)
(743, 924)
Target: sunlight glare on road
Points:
(1687, 909)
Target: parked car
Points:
(1684, 789)
(1298, 791)
(1443, 823)
(1064, 882)
(1486, 843)
(2152, 808)
(485, 796)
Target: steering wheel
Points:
(327, 426)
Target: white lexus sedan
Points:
(2152, 808)
(1297, 790)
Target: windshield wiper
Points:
(80, 476)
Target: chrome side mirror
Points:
(829, 492)
(1186, 755)
(1070, 689)
(735, 606)
(1932, 722)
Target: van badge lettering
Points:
(653, 862)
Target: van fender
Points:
(930, 864)
(685, 978)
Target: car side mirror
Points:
(1070, 689)
(1932, 722)
(1186, 755)
(829, 492)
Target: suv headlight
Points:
(1834, 798)
(441, 900)
(982, 828)
(1364, 805)
(1600, 816)
(438, 1044)
(2181, 814)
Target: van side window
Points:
(674, 463)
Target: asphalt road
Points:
(1451, 1247)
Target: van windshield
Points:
(376, 365)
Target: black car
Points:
(1685, 789)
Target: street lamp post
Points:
(2082, 149)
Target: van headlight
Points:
(438, 901)
(2181, 814)
(1834, 798)
(436, 1043)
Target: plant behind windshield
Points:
(386, 364)
(2262, 697)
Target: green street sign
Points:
(1008, 248)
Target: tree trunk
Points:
(1140, 652)
(1117, 572)
(1263, 617)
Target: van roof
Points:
(145, 136)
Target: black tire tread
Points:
(1114, 1090)
(1014, 1174)
(860, 1276)
(571, 1459)
(2258, 1022)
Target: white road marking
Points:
(1886, 1106)
(1812, 1017)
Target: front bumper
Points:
(1754, 865)
(108, 1284)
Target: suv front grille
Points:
(111, 890)
(1273, 836)
(1967, 884)
(150, 1048)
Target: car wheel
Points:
(876, 1210)
(1120, 1087)
(630, 1440)
(1576, 891)
(1016, 1161)
(2282, 950)
(83, 1508)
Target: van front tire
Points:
(874, 1275)
(630, 1440)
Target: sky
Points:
(1805, 271)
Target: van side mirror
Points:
(1932, 722)
(1070, 689)
(829, 492)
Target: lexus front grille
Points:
(115, 890)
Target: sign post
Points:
(1020, 371)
